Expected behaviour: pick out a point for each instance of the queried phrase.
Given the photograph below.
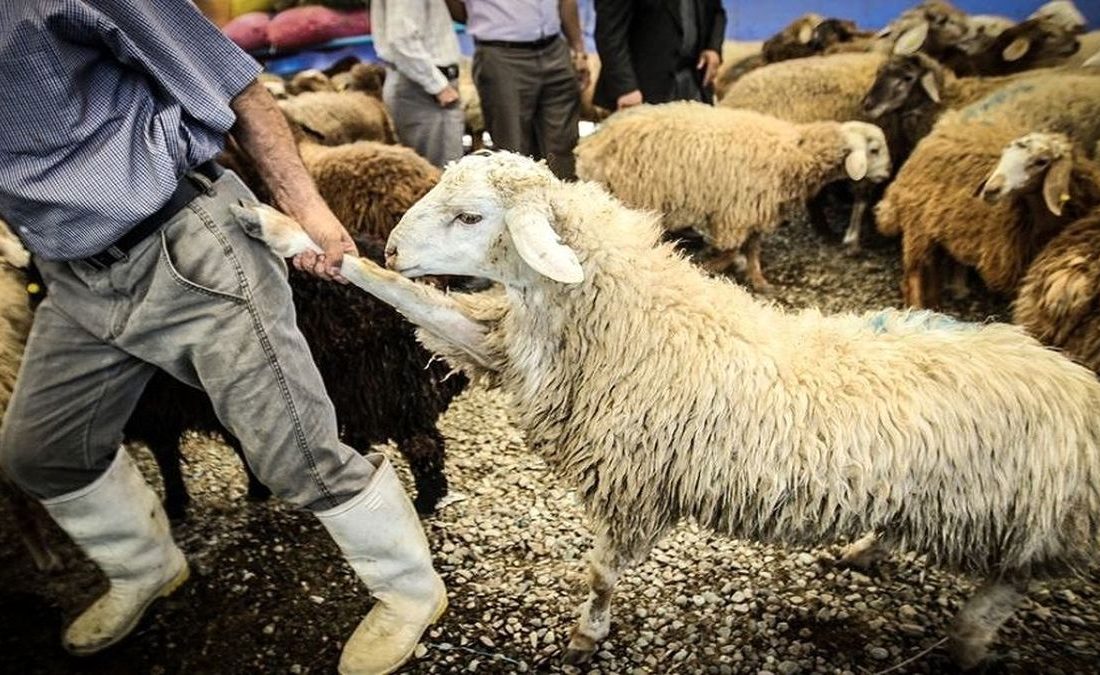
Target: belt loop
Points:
(203, 183)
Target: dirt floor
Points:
(269, 592)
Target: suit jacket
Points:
(639, 45)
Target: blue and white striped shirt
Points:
(104, 104)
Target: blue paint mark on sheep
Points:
(891, 319)
(995, 100)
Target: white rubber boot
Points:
(118, 521)
(380, 535)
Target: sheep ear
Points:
(928, 81)
(855, 164)
(1016, 49)
(1056, 185)
(805, 34)
(539, 246)
(911, 40)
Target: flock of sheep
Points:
(661, 392)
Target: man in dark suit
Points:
(653, 51)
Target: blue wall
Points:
(756, 20)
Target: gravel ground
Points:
(270, 593)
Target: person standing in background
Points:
(528, 77)
(416, 41)
(655, 51)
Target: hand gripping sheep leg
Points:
(422, 305)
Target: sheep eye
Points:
(874, 151)
(468, 218)
(1042, 161)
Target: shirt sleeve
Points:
(409, 51)
(184, 54)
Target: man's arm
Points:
(263, 134)
(457, 9)
(571, 26)
(711, 55)
(405, 22)
(612, 24)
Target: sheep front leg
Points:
(609, 557)
(755, 273)
(855, 224)
(978, 622)
(423, 305)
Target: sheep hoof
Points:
(763, 288)
(852, 249)
(580, 649)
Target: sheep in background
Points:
(1057, 299)
(731, 175)
(31, 520)
(336, 118)
(365, 77)
(1035, 43)
(661, 394)
(933, 205)
(275, 85)
(910, 92)
(309, 80)
(808, 35)
(1064, 13)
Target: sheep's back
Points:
(369, 186)
(335, 118)
(810, 89)
(933, 201)
(722, 172)
(1058, 298)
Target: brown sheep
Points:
(934, 204)
(1057, 300)
(336, 118)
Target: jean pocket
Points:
(200, 259)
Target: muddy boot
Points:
(379, 533)
(118, 522)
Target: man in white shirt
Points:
(528, 77)
(417, 42)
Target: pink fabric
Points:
(311, 25)
(249, 30)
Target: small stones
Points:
(878, 653)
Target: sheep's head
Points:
(898, 79)
(1031, 161)
(868, 156)
(833, 31)
(309, 80)
(1042, 39)
(489, 216)
(931, 26)
(1063, 13)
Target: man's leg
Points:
(216, 310)
(509, 90)
(60, 442)
(434, 132)
(558, 111)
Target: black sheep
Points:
(377, 374)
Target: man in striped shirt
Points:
(110, 115)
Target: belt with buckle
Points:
(187, 189)
(535, 44)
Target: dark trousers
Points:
(531, 101)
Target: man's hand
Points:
(447, 97)
(630, 99)
(708, 60)
(580, 66)
(330, 235)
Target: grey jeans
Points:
(209, 305)
(531, 101)
(434, 132)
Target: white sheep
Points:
(731, 175)
(661, 394)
